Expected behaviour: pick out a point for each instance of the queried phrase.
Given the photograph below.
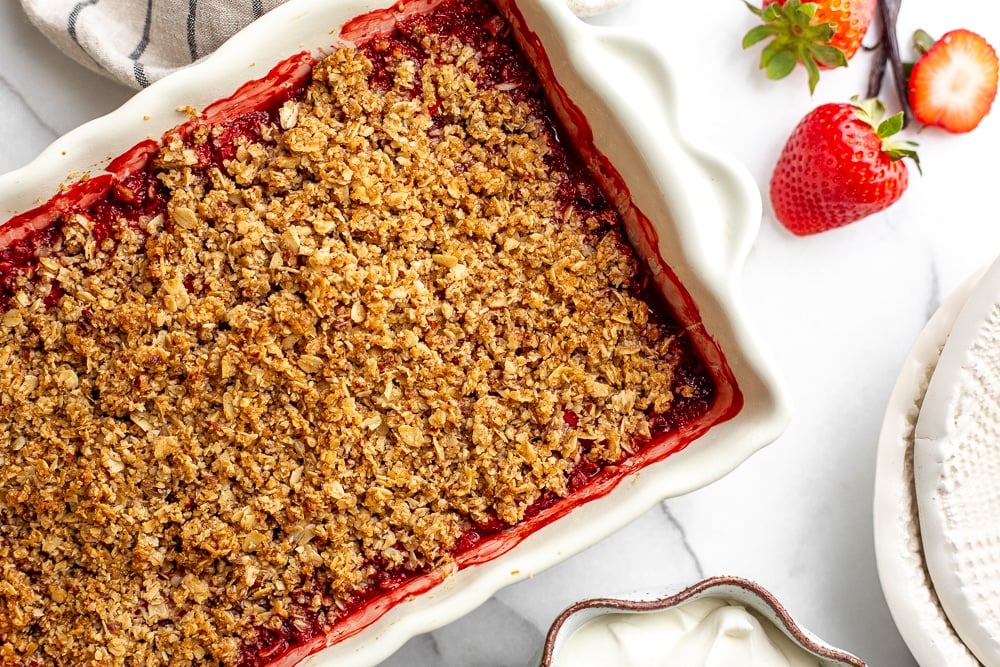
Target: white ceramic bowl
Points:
(704, 210)
(731, 590)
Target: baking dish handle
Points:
(739, 205)
(729, 185)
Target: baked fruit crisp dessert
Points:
(295, 357)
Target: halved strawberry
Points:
(954, 82)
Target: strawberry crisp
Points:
(311, 346)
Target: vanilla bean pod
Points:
(889, 11)
(876, 75)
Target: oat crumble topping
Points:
(369, 331)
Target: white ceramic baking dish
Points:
(703, 212)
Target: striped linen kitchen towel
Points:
(137, 42)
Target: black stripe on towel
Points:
(192, 37)
(139, 72)
(258, 8)
(140, 48)
(74, 16)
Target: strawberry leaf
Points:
(768, 53)
(907, 149)
(757, 11)
(758, 34)
(771, 13)
(813, 72)
(781, 65)
(806, 9)
(890, 125)
(871, 111)
(828, 55)
(922, 41)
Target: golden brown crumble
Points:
(333, 356)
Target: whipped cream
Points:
(707, 632)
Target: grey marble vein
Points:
(933, 291)
(665, 508)
(19, 97)
(495, 635)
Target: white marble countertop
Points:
(838, 313)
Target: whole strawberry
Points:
(823, 34)
(839, 165)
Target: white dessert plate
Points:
(956, 466)
(908, 588)
(703, 208)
